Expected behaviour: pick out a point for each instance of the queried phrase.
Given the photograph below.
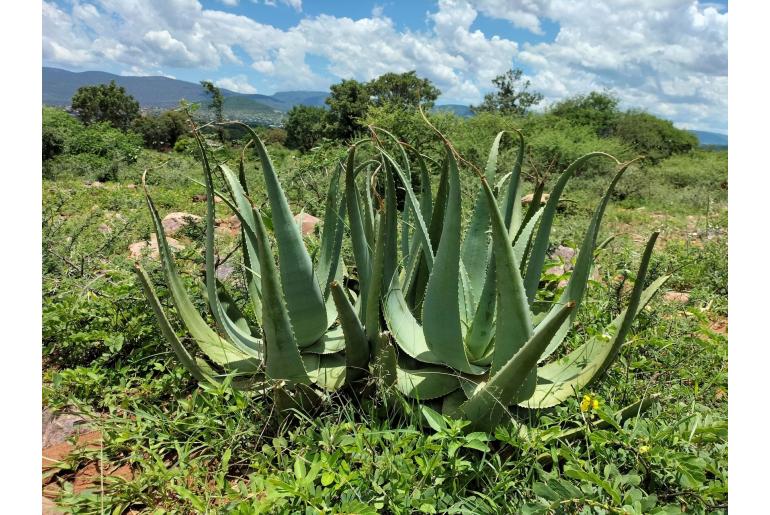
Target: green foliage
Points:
(554, 143)
(102, 140)
(402, 91)
(348, 102)
(512, 96)
(161, 131)
(652, 136)
(217, 104)
(105, 103)
(597, 110)
(305, 126)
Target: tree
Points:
(511, 96)
(105, 103)
(654, 137)
(161, 131)
(216, 105)
(347, 103)
(598, 110)
(402, 90)
(305, 126)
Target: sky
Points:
(668, 57)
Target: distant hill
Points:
(458, 109)
(163, 93)
(711, 139)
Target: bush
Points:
(58, 128)
(554, 143)
(652, 136)
(103, 140)
(596, 110)
(305, 126)
(161, 131)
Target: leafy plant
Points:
(464, 313)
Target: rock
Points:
(563, 254)
(203, 198)
(527, 199)
(58, 427)
(677, 296)
(307, 223)
(224, 271)
(173, 222)
(104, 229)
(94, 184)
(230, 225)
(137, 249)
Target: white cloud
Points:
(667, 56)
(230, 3)
(239, 84)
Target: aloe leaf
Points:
(482, 327)
(242, 209)
(217, 349)
(244, 340)
(511, 204)
(426, 383)
(523, 240)
(514, 326)
(450, 405)
(372, 318)
(441, 311)
(476, 241)
(426, 198)
(416, 292)
(327, 370)
(489, 403)
(360, 243)
(304, 299)
(282, 357)
(578, 281)
(405, 329)
(420, 228)
(331, 235)
(203, 375)
(331, 342)
(562, 378)
(356, 344)
(540, 245)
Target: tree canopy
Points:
(305, 126)
(105, 103)
(597, 109)
(511, 96)
(403, 90)
(347, 103)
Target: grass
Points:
(200, 449)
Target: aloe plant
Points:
(470, 333)
(307, 331)
(449, 320)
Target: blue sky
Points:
(666, 56)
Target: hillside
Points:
(163, 93)
(711, 139)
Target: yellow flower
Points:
(588, 403)
(643, 449)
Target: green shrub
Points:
(161, 131)
(654, 137)
(103, 140)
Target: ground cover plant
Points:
(197, 447)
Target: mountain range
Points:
(164, 93)
(59, 86)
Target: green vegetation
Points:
(105, 103)
(511, 97)
(197, 448)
